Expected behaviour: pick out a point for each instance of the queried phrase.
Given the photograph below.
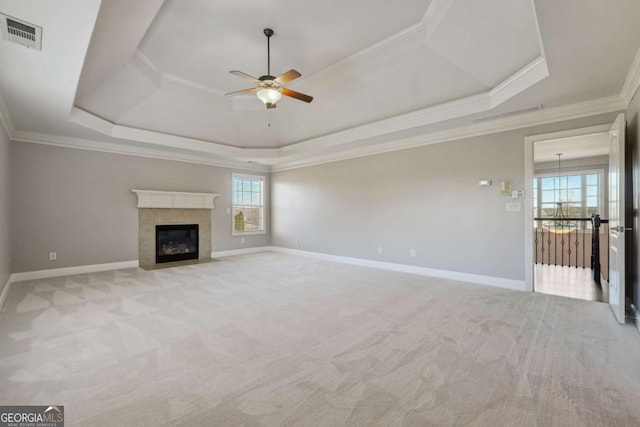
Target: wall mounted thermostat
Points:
(517, 194)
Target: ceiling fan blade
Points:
(239, 92)
(290, 75)
(244, 76)
(297, 95)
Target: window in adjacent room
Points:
(579, 192)
(248, 204)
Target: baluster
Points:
(542, 244)
(536, 241)
(555, 247)
(577, 244)
(549, 247)
(584, 264)
(569, 248)
(562, 245)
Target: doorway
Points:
(566, 208)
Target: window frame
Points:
(583, 196)
(263, 224)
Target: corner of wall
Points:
(5, 220)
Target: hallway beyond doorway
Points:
(569, 282)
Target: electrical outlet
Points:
(53, 256)
(413, 253)
(379, 249)
(296, 241)
(242, 240)
(228, 211)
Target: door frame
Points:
(529, 143)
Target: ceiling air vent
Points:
(508, 114)
(21, 32)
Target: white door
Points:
(616, 218)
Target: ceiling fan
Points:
(268, 88)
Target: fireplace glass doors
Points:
(176, 242)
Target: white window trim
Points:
(264, 222)
(601, 189)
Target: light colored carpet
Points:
(272, 339)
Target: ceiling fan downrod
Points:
(268, 32)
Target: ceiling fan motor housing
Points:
(269, 88)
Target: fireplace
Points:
(176, 242)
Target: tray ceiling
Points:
(148, 78)
(373, 61)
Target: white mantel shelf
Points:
(174, 199)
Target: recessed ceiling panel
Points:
(188, 112)
(400, 77)
(480, 38)
(122, 90)
(201, 40)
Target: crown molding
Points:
(105, 127)
(124, 149)
(531, 74)
(632, 81)
(284, 159)
(525, 120)
(523, 79)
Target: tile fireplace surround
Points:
(166, 207)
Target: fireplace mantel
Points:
(174, 199)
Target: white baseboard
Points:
(95, 268)
(500, 282)
(403, 268)
(232, 252)
(69, 271)
(5, 292)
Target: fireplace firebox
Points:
(176, 242)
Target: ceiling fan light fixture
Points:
(269, 95)
(269, 88)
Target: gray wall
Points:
(633, 144)
(5, 228)
(79, 204)
(427, 199)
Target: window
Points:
(579, 193)
(248, 204)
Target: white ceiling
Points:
(382, 73)
(576, 147)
